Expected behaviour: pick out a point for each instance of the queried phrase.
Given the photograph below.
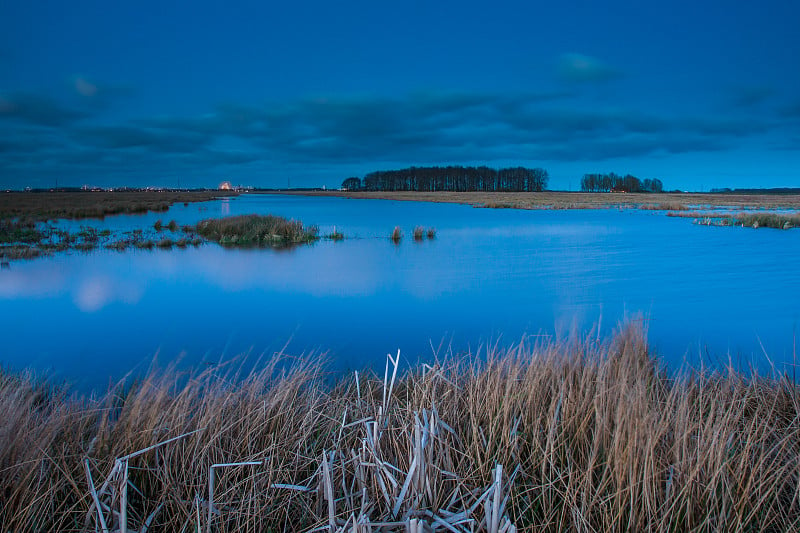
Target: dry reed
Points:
(585, 436)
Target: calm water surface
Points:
(709, 293)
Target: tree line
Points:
(616, 183)
(452, 178)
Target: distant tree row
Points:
(453, 178)
(616, 183)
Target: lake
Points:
(708, 294)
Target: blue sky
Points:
(699, 94)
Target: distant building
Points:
(225, 186)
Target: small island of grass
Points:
(256, 230)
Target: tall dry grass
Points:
(586, 436)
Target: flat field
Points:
(95, 204)
(581, 200)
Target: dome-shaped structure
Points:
(225, 186)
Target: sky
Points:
(700, 94)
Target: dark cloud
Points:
(582, 68)
(750, 97)
(37, 109)
(131, 137)
(791, 111)
(723, 127)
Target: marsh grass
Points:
(580, 436)
(396, 235)
(256, 230)
(753, 220)
(335, 235)
(769, 220)
(119, 246)
(420, 233)
(664, 206)
(20, 252)
(20, 231)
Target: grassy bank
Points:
(587, 437)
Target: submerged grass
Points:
(584, 436)
(256, 230)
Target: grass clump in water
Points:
(335, 235)
(431, 233)
(256, 230)
(418, 233)
(397, 235)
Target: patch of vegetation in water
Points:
(256, 230)
(20, 231)
(769, 220)
(335, 235)
(751, 220)
(397, 234)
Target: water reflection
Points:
(489, 273)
